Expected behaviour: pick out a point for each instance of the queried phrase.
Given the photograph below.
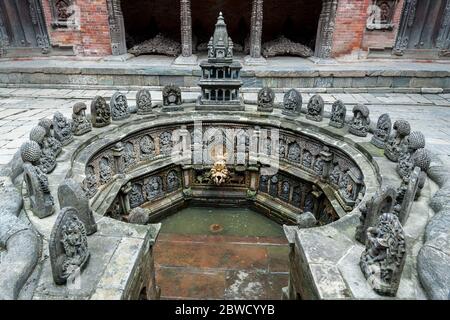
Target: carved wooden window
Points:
(381, 13)
(62, 12)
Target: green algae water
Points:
(230, 221)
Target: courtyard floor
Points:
(21, 108)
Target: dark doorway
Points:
(144, 19)
(297, 20)
(22, 27)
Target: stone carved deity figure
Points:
(359, 126)
(315, 108)
(153, 188)
(382, 131)
(38, 189)
(173, 181)
(50, 142)
(129, 156)
(338, 112)
(119, 106)
(165, 142)
(81, 123)
(90, 183)
(412, 143)
(171, 95)
(147, 146)
(307, 159)
(285, 190)
(100, 112)
(394, 145)
(319, 165)
(294, 152)
(292, 103)
(383, 260)
(68, 246)
(335, 174)
(47, 162)
(62, 128)
(144, 102)
(136, 196)
(105, 170)
(266, 99)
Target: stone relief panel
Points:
(381, 13)
(153, 143)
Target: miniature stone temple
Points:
(100, 112)
(81, 123)
(315, 108)
(266, 99)
(70, 194)
(383, 260)
(68, 246)
(220, 76)
(62, 128)
(144, 102)
(338, 112)
(41, 200)
(359, 125)
(292, 103)
(382, 131)
(394, 145)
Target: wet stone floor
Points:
(216, 253)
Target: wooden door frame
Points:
(407, 19)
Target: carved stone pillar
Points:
(116, 28)
(327, 158)
(325, 29)
(118, 160)
(256, 27)
(186, 34)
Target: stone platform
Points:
(279, 72)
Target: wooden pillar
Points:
(256, 27)
(325, 29)
(186, 28)
(186, 57)
(116, 28)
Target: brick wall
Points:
(383, 38)
(350, 24)
(92, 37)
(351, 33)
